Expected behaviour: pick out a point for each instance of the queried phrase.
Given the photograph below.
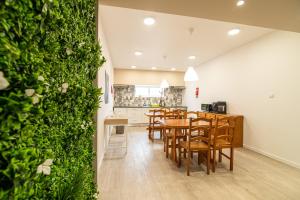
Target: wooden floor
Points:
(145, 174)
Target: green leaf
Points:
(34, 36)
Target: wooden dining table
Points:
(177, 125)
(157, 114)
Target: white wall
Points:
(147, 77)
(106, 109)
(247, 78)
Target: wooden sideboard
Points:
(239, 129)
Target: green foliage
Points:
(49, 46)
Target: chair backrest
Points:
(210, 116)
(196, 126)
(191, 114)
(159, 113)
(180, 112)
(201, 114)
(220, 116)
(167, 109)
(156, 116)
(224, 130)
(171, 115)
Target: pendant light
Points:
(190, 75)
(164, 84)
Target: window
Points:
(155, 92)
(141, 91)
(147, 91)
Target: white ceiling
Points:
(168, 43)
(274, 14)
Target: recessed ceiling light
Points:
(133, 66)
(149, 21)
(234, 31)
(192, 57)
(173, 69)
(240, 3)
(153, 68)
(138, 53)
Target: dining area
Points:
(152, 169)
(188, 135)
(210, 102)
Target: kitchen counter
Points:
(136, 114)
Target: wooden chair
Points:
(201, 114)
(200, 143)
(167, 109)
(210, 116)
(223, 139)
(154, 124)
(191, 114)
(180, 112)
(169, 133)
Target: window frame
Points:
(148, 91)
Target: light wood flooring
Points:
(146, 174)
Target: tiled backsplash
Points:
(125, 96)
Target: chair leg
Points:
(175, 152)
(179, 157)
(220, 155)
(199, 161)
(188, 163)
(208, 162)
(167, 147)
(173, 142)
(152, 135)
(164, 141)
(231, 159)
(214, 161)
(184, 150)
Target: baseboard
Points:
(280, 159)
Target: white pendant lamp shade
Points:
(164, 84)
(190, 75)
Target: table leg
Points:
(149, 133)
(174, 146)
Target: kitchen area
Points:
(146, 90)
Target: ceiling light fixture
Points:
(173, 68)
(234, 31)
(164, 84)
(133, 66)
(149, 21)
(240, 3)
(190, 75)
(138, 53)
(192, 57)
(153, 68)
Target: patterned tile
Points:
(125, 96)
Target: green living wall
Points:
(49, 57)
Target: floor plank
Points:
(145, 173)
